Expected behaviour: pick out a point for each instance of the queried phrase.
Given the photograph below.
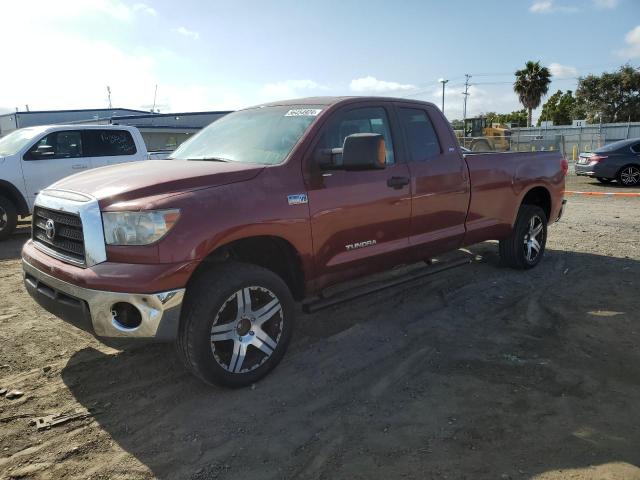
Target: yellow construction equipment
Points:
(481, 136)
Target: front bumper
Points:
(93, 310)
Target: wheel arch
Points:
(268, 251)
(540, 196)
(10, 191)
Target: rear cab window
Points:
(108, 143)
(422, 140)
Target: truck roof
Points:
(336, 100)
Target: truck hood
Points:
(128, 181)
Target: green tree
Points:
(517, 118)
(613, 96)
(560, 108)
(532, 83)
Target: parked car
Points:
(34, 157)
(269, 205)
(615, 161)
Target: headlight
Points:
(137, 228)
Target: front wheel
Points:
(480, 146)
(524, 248)
(8, 217)
(236, 324)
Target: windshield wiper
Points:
(210, 159)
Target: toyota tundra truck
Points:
(268, 206)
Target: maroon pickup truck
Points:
(270, 205)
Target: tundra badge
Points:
(366, 243)
(297, 199)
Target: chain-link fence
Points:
(570, 144)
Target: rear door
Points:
(109, 146)
(359, 219)
(440, 180)
(53, 157)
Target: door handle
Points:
(79, 166)
(397, 182)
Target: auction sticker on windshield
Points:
(303, 112)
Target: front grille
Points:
(67, 242)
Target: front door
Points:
(53, 157)
(440, 182)
(359, 219)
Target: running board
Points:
(360, 291)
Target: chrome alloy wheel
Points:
(251, 317)
(533, 239)
(630, 175)
(4, 218)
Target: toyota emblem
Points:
(50, 229)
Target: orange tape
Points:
(603, 194)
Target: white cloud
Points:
(289, 88)
(549, 6)
(188, 33)
(143, 7)
(605, 3)
(632, 39)
(131, 72)
(541, 6)
(371, 84)
(562, 71)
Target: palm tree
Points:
(532, 83)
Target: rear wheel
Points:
(236, 324)
(629, 175)
(604, 180)
(8, 217)
(525, 246)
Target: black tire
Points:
(8, 217)
(629, 176)
(515, 250)
(212, 295)
(480, 146)
(604, 180)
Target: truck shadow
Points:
(11, 247)
(480, 372)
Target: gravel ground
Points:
(478, 372)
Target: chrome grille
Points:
(66, 241)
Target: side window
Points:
(635, 148)
(360, 120)
(66, 144)
(422, 140)
(108, 143)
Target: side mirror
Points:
(360, 151)
(364, 151)
(43, 151)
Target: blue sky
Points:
(211, 55)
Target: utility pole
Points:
(466, 95)
(155, 94)
(443, 82)
(109, 95)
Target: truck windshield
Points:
(262, 135)
(13, 142)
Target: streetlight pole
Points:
(443, 82)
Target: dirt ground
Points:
(478, 372)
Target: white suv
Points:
(35, 157)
